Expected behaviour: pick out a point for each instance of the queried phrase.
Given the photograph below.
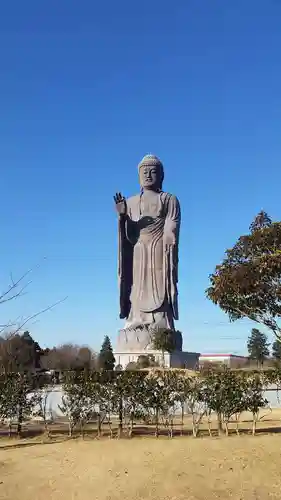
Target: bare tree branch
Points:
(16, 289)
(41, 312)
(24, 321)
(4, 297)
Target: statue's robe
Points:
(148, 260)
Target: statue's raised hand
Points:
(121, 205)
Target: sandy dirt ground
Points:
(237, 468)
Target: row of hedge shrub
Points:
(162, 398)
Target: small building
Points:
(176, 359)
(230, 360)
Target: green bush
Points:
(152, 397)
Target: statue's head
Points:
(151, 173)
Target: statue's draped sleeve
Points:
(125, 265)
(171, 246)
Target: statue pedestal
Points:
(139, 340)
(176, 359)
(135, 342)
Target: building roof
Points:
(221, 356)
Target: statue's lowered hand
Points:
(120, 203)
(169, 240)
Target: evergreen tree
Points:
(276, 350)
(34, 347)
(106, 358)
(19, 353)
(258, 346)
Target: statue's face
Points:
(150, 177)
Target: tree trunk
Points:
(47, 430)
(237, 425)
(182, 419)
(219, 424)
(157, 423)
(195, 426)
(171, 428)
(82, 429)
(110, 426)
(99, 425)
(120, 423)
(254, 424)
(226, 428)
(131, 426)
(20, 418)
(210, 426)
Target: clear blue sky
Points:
(86, 89)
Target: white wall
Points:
(177, 359)
(124, 358)
(54, 399)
